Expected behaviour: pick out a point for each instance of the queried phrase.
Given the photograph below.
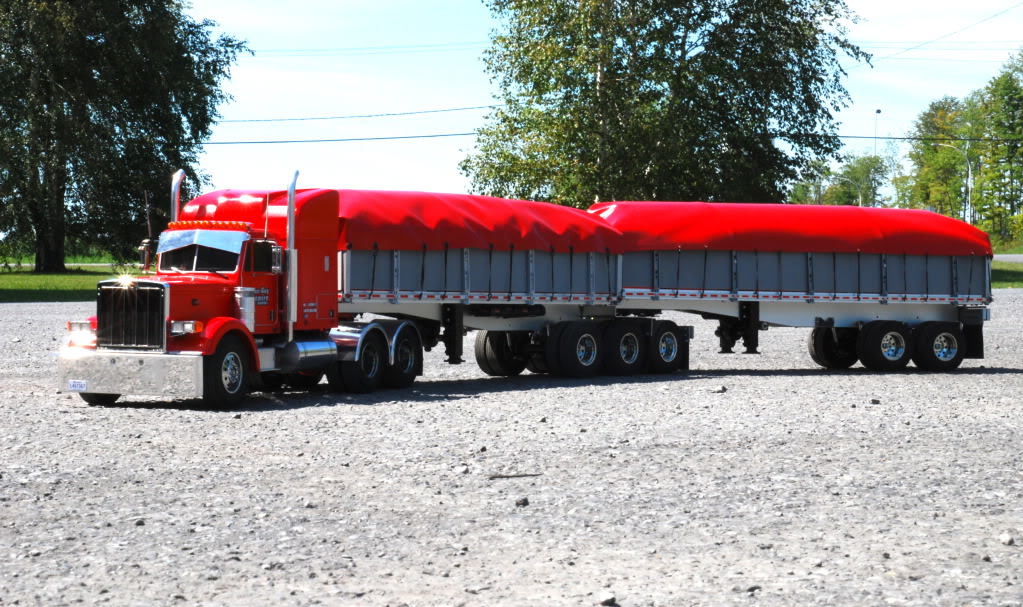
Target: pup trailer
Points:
(257, 290)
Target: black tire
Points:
(625, 348)
(938, 346)
(365, 374)
(408, 360)
(97, 399)
(537, 363)
(497, 354)
(581, 349)
(884, 345)
(551, 359)
(226, 374)
(833, 348)
(668, 351)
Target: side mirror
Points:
(276, 259)
(146, 254)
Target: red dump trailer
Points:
(256, 290)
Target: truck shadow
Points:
(451, 390)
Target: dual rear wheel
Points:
(886, 346)
(586, 348)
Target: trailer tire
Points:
(580, 349)
(365, 374)
(537, 363)
(408, 360)
(625, 348)
(551, 357)
(668, 351)
(98, 399)
(884, 345)
(496, 354)
(938, 346)
(226, 374)
(833, 348)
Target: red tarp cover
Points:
(651, 226)
(409, 220)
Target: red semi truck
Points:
(256, 290)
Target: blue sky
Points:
(342, 58)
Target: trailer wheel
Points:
(938, 346)
(97, 399)
(550, 360)
(580, 349)
(833, 348)
(668, 351)
(625, 348)
(497, 355)
(364, 375)
(226, 374)
(408, 360)
(884, 345)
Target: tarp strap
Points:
(373, 271)
(490, 273)
(444, 287)
(552, 274)
(571, 272)
(422, 273)
(678, 271)
(511, 268)
(703, 283)
(607, 262)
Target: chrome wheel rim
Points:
(667, 347)
(405, 360)
(946, 346)
(893, 346)
(370, 360)
(628, 348)
(231, 373)
(586, 350)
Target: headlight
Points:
(186, 327)
(81, 334)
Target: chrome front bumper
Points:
(133, 373)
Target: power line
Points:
(906, 50)
(340, 140)
(455, 109)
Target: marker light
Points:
(186, 327)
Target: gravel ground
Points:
(752, 480)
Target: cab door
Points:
(259, 274)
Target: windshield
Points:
(200, 250)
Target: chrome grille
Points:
(131, 316)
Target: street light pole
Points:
(969, 181)
(876, 114)
(859, 192)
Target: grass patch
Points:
(1014, 248)
(76, 285)
(1005, 275)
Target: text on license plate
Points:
(78, 385)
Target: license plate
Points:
(78, 385)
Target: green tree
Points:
(942, 135)
(100, 100)
(999, 187)
(660, 99)
(860, 180)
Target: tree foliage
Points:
(100, 101)
(660, 99)
(981, 136)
